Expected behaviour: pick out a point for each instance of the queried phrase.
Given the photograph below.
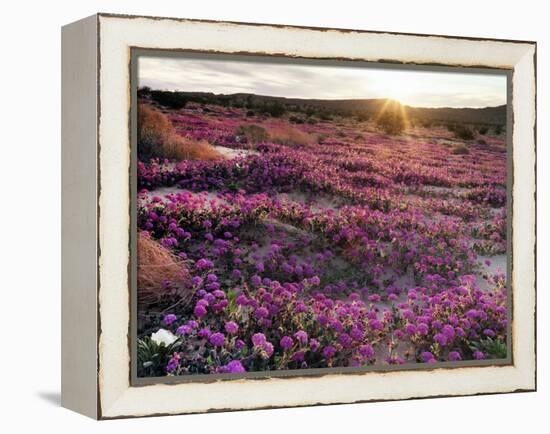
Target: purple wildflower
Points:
(199, 311)
(234, 367)
(286, 342)
(258, 339)
(231, 327)
(329, 351)
(301, 337)
(454, 356)
(169, 319)
(217, 339)
(479, 355)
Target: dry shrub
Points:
(291, 136)
(460, 150)
(157, 138)
(153, 129)
(464, 132)
(159, 272)
(253, 133)
(183, 148)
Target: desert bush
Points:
(144, 92)
(157, 138)
(253, 133)
(290, 136)
(362, 117)
(460, 150)
(154, 128)
(498, 130)
(275, 110)
(391, 122)
(173, 100)
(483, 130)
(250, 113)
(160, 272)
(296, 119)
(463, 132)
(184, 148)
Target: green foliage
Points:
(493, 348)
(152, 357)
(275, 110)
(173, 100)
(144, 92)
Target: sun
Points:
(394, 109)
(396, 87)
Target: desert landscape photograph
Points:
(301, 215)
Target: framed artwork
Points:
(261, 216)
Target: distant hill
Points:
(367, 107)
(486, 115)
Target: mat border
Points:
(138, 52)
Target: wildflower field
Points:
(294, 240)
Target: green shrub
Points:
(275, 110)
(173, 100)
(144, 92)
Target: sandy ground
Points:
(231, 153)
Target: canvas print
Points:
(294, 216)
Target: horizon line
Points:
(328, 99)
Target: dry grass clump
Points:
(159, 272)
(183, 148)
(460, 150)
(157, 138)
(153, 126)
(291, 136)
(252, 133)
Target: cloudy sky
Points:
(415, 88)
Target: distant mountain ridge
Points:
(370, 107)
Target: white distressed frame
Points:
(115, 396)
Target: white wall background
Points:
(30, 216)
